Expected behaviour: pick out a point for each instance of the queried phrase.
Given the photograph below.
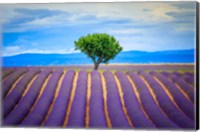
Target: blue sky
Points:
(53, 28)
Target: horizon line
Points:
(81, 52)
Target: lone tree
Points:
(99, 47)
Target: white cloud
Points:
(15, 50)
(10, 50)
(136, 11)
(184, 28)
(125, 31)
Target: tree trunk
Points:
(96, 66)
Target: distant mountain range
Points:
(131, 57)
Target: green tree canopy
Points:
(100, 47)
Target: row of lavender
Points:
(32, 108)
(130, 67)
(186, 76)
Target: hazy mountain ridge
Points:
(170, 56)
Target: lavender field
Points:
(103, 65)
(128, 96)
